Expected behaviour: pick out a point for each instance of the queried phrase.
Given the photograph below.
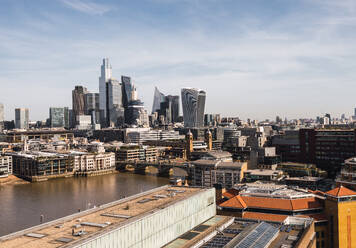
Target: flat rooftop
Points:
(95, 221)
(224, 231)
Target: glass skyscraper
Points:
(193, 102)
(106, 74)
(158, 98)
(21, 118)
(114, 107)
(59, 117)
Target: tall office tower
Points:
(21, 118)
(78, 101)
(158, 98)
(169, 108)
(92, 107)
(127, 89)
(193, 102)
(106, 74)
(57, 117)
(114, 108)
(136, 115)
(1, 117)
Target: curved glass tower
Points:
(193, 102)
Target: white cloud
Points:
(87, 7)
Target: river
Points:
(21, 206)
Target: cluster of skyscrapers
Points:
(117, 105)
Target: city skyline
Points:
(303, 58)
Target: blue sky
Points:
(255, 58)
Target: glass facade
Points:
(193, 102)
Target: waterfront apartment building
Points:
(5, 166)
(193, 102)
(85, 162)
(136, 153)
(36, 166)
(150, 219)
(21, 118)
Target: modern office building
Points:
(127, 91)
(158, 98)
(169, 108)
(114, 107)
(207, 173)
(193, 102)
(141, 135)
(150, 219)
(59, 117)
(106, 74)
(327, 148)
(78, 101)
(84, 122)
(92, 107)
(136, 115)
(21, 118)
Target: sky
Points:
(255, 59)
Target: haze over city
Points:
(255, 59)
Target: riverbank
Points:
(12, 180)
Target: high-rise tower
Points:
(22, 118)
(158, 98)
(193, 102)
(106, 74)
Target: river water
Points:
(21, 206)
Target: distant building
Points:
(141, 135)
(5, 166)
(158, 98)
(92, 107)
(32, 166)
(114, 108)
(347, 176)
(136, 153)
(83, 122)
(209, 172)
(86, 162)
(106, 74)
(127, 91)
(21, 118)
(59, 117)
(136, 115)
(1, 117)
(193, 102)
(78, 101)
